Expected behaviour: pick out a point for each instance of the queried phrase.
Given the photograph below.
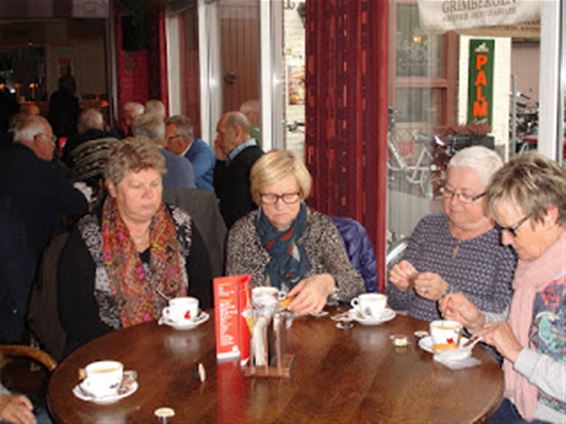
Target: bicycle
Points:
(418, 174)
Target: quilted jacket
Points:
(359, 249)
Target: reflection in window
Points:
(418, 54)
(420, 106)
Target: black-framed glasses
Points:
(462, 197)
(513, 228)
(272, 198)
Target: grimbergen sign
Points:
(438, 16)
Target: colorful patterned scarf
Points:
(289, 263)
(135, 287)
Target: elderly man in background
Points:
(30, 109)
(91, 126)
(33, 195)
(131, 110)
(179, 140)
(236, 151)
(156, 107)
(180, 172)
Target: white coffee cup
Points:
(265, 294)
(370, 304)
(445, 334)
(103, 377)
(182, 309)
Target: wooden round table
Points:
(354, 375)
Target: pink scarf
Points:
(530, 278)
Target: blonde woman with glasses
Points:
(286, 244)
(528, 201)
(458, 250)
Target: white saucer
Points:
(104, 400)
(201, 318)
(426, 343)
(386, 315)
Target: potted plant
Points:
(472, 134)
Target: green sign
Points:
(480, 81)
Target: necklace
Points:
(456, 248)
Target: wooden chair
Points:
(23, 351)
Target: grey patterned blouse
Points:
(482, 269)
(323, 246)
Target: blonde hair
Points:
(275, 165)
(532, 182)
(133, 154)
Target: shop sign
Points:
(438, 16)
(480, 81)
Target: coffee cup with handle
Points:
(445, 334)
(370, 305)
(266, 294)
(103, 378)
(181, 310)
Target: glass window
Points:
(417, 54)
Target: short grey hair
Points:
(29, 127)
(233, 119)
(485, 162)
(156, 107)
(135, 108)
(182, 123)
(149, 125)
(90, 119)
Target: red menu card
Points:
(232, 308)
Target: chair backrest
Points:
(43, 311)
(359, 249)
(23, 351)
(203, 208)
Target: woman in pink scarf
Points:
(528, 201)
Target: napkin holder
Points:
(269, 355)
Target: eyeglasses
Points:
(288, 198)
(462, 197)
(173, 137)
(513, 228)
(52, 137)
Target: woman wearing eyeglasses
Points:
(287, 245)
(459, 250)
(528, 201)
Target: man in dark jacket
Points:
(236, 151)
(64, 108)
(33, 195)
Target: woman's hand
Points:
(502, 338)
(310, 294)
(429, 285)
(16, 409)
(401, 275)
(457, 307)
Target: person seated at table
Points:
(528, 201)
(286, 244)
(121, 264)
(458, 250)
